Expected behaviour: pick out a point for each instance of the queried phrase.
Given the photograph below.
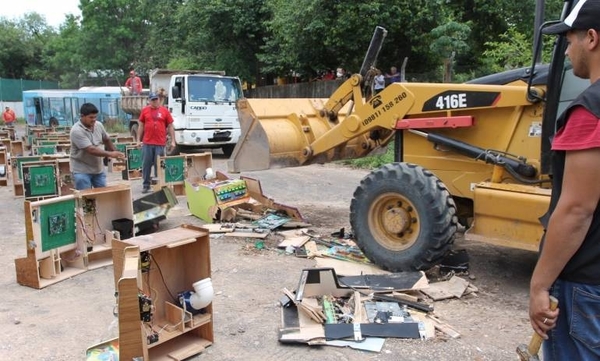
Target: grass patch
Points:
(373, 161)
(115, 126)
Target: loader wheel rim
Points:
(394, 221)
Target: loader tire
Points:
(403, 217)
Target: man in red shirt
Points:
(154, 123)
(9, 117)
(568, 267)
(134, 83)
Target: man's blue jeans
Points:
(577, 332)
(87, 181)
(149, 154)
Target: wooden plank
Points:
(428, 324)
(443, 327)
(218, 227)
(247, 234)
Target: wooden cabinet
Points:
(153, 270)
(71, 234)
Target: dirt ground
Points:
(61, 321)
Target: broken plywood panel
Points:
(399, 281)
(349, 268)
(454, 287)
(294, 242)
(218, 227)
(247, 234)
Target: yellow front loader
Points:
(475, 153)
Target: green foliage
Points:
(375, 160)
(450, 38)
(111, 34)
(514, 50)
(262, 39)
(116, 127)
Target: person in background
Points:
(90, 144)
(53, 123)
(568, 266)
(134, 83)
(378, 82)
(9, 117)
(340, 73)
(329, 75)
(154, 124)
(393, 76)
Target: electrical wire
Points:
(175, 299)
(84, 228)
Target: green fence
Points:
(11, 90)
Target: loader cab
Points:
(562, 87)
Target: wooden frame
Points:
(94, 212)
(183, 256)
(194, 167)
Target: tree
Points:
(449, 39)
(221, 35)
(62, 55)
(313, 35)
(112, 34)
(22, 42)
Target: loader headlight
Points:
(193, 135)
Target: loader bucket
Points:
(277, 133)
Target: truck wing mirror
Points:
(175, 92)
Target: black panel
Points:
(456, 99)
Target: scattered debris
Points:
(324, 309)
(346, 301)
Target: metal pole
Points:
(537, 23)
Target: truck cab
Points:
(203, 106)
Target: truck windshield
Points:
(213, 89)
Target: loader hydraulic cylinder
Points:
(488, 156)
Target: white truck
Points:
(202, 103)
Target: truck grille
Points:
(210, 123)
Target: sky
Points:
(53, 11)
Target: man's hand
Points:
(173, 145)
(541, 317)
(116, 154)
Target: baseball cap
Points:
(585, 15)
(153, 96)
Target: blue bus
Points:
(42, 106)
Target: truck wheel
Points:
(403, 217)
(228, 149)
(134, 131)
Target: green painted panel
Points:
(134, 158)
(57, 222)
(173, 167)
(40, 180)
